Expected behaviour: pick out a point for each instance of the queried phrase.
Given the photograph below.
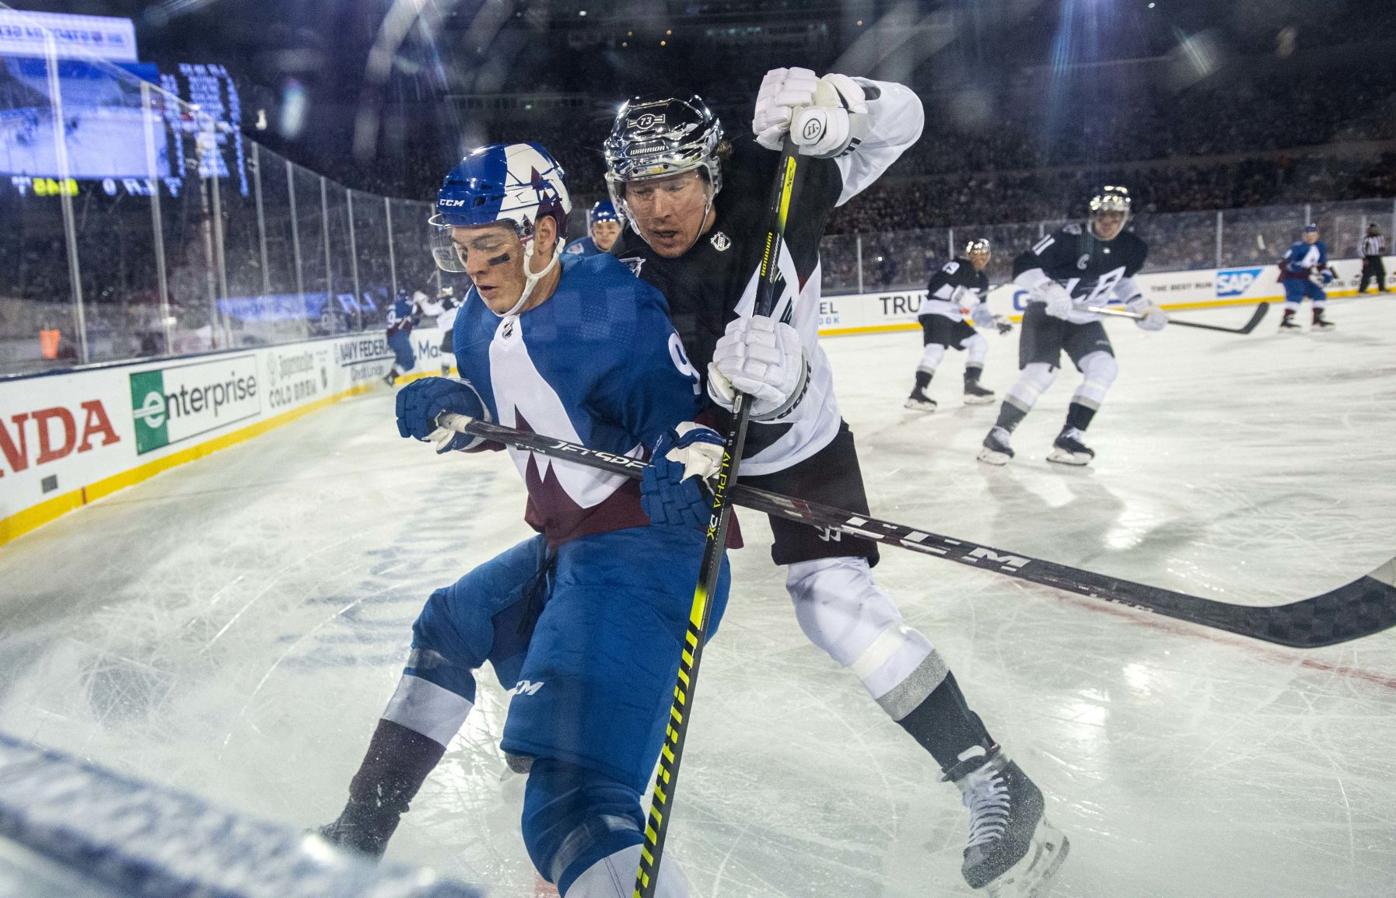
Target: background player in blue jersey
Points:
(403, 315)
(584, 622)
(603, 228)
(1304, 272)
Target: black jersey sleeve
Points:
(1055, 254)
(1138, 253)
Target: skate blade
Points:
(979, 400)
(918, 405)
(1076, 459)
(1032, 877)
(993, 457)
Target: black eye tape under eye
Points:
(499, 259)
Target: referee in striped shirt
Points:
(1373, 246)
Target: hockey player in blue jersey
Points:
(604, 225)
(402, 316)
(1304, 272)
(585, 621)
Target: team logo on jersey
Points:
(507, 330)
(720, 241)
(526, 687)
(1082, 262)
(633, 263)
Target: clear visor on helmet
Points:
(450, 255)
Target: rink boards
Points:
(72, 437)
(894, 310)
(69, 438)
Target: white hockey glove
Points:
(981, 316)
(763, 358)
(825, 116)
(1155, 319)
(1057, 299)
(698, 449)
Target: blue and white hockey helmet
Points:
(603, 210)
(517, 183)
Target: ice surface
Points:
(236, 625)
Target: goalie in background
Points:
(958, 289)
(1304, 272)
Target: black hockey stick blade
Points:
(1246, 328)
(1365, 606)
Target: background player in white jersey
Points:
(697, 205)
(443, 309)
(603, 229)
(585, 621)
(1304, 272)
(1065, 274)
(959, 287)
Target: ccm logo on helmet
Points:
(450, 202)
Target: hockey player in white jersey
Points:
(444, 309)
(695, 203)
(1065, 274)
(958, 288)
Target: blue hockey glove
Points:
(421, 401)
(674, 491)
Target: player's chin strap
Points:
(530, 279)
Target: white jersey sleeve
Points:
(896, 120)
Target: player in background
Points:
(443, 309)
(960, 287)
(585, 621)
(403, 315)
(603, 227)
(1372, 248)
(1065, 274)
(697, 206)
(1304, 272)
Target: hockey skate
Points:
(1012, 851)
(977, 395)
(996, 450)
(1069, 448)
(920, 401)
(1320, 323)
(361, 830)
(1288, 325)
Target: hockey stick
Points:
(671, 753)
(1246, 328)
(1365, 606)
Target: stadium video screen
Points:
(103, 124)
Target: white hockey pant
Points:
(931, 358)
(846, 614)
(978, 348)
(1033, 381)
(1099, 370)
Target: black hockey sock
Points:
(972, 373)
(944, 725)
(1079, 416)
(1009, 416)
(396, 764)
(923, 380)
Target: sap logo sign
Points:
(1235, 281)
